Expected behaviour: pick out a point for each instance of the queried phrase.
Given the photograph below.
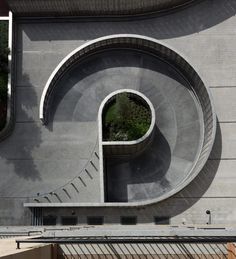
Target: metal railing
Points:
(128, 240)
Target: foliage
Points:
(3, 71)
(125, 119)
(4, 60)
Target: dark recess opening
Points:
(65, 220)
(49, 220)
(128, 220)
(95, 220)
(161, 220)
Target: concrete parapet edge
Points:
(128, 143)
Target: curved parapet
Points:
(199, 92)
(92, 7)
(125, 148)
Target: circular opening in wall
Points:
(126, 117)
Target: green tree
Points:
(126, 119)
(4, 60)
(123, 107)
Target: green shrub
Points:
(3, 87)
(125, 119)
(4, 60)
(3, 71)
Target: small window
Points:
(161, 220)
(49, 221)
(95, 220)
(68, 221)
(128, 220)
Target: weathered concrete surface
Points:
(225, 146)
(204, 34)
(31, 163)
(182, 210)
(13, 213)
(224, 99)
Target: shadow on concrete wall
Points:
(196, 189)
(141, 177)
(139, 251)
(17, 149)
(17, 161)
(87, 83)
(168, 208)
(192, 19)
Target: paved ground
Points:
(204, 34)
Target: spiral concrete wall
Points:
(153, 47)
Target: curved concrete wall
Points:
(156, 48)
(126, 148)
(90, 7)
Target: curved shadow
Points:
(194, 18)
(108, 59)
(187, 197)
(141, 177)
(168, 208)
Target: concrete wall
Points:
(89, 7)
